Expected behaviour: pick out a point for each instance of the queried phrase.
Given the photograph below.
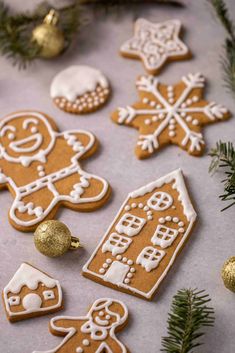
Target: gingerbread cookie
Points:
(93, 333)
(41, 169)
(80, 89)
(155, 44)
(145, 238)
(168, 114)
(31, 293)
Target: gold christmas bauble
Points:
(228, 274)
(53, 238)
(49, 37)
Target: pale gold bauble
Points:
(53, 238)
(228, 274)
(49, 37)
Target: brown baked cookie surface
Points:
(94, 332)
(41, 168)
(80, 89)
(31, 293)
(167, 114)
(145, 238)
(155, 44)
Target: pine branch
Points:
(189, 313)
(223, 156)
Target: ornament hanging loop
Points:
(75, 243)
(51, 18)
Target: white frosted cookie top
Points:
(76, 81)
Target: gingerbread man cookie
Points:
(31, 293)
(93, 333)
(145, 238)
(41, 169)
(155, 44)
(80, 89)
(168, 114)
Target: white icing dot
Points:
(85, 95)
(145, 100)
(124, 259)
(101, 313)
(183, 114)
(173, 207)
(158, 106)
(171, 127)
(105, 265)
(168, 218)
(146, 208)
(102, 100)
(149, 213)
(41, 174)
(161, 116)
(33, 129)
(161, 220)
(170, 94)
(150, 218)
(75, 106)
(181, 230)
(40, 167)
(101, 270)
(107, 317)
(106, 91)
(171, 100)
(99, 89)
(132, 269)
(170, 88)
(195, 99)
(188, 118)
(118, 257)
(172, 121)
(85, 342)
(183, 105)
(140, 205)
(109, 261)
(126, 280)
(195, 122)
(61, 105)
(189, 101)
(127, 208)
(154, 118)
(130, 262)
(93, 94)
(79, 350)
(90, 105)
(181, 224)
(133, 205)
(147, 121)
(152, 104)
(77, 101)
(129, 275)
(175, 219)
(171, 133)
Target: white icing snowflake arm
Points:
(150, 84)
(3, 178)
(72, 138)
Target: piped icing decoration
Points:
(42, 172)
(155, 44)
(162, 120)
(95, 332)
(21, 304)
(137, 257)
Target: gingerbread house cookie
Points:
(31, 293)
(145, 238)
(94, 332)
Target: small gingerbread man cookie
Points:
(93, 333)
(155, 44)
(80, 89)
(31, 293)
(167, 114)
(41, 169)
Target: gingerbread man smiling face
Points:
(24, 138)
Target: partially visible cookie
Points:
(80, 89)
(31, 293)
(155, 44)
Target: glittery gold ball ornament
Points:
(228, 274)
(49, 37)
(53, 238)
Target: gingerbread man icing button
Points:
(40, 167)
(80, 89)
(93, 333)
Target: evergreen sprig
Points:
(223, 156)
(189, 313)
(16, 29)
(228, 60)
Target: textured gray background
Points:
(213, 238)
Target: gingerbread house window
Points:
(130, 225)
(48, 294)
(164, 236)
(14, 300)
(149, 258)
(160, 201)
(116, 244)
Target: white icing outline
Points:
(174, 27)
(15, 145)
(189, 212)
(30, 276)
(71, 330)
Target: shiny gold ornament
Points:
(228, 274)
(53, 238)
(49, 37)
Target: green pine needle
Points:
(189, 313)
(223, 157)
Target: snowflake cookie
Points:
(145, 238)
(94, 332)
(80, 89)
(170, 114)
(41, 168)
(31, 293)
(155, 44)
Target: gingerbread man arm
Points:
(62, 325)
(83, 143)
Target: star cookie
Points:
(155, 44)
(170, 114)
